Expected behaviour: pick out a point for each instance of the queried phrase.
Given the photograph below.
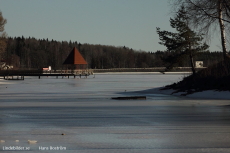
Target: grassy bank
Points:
(215, 77)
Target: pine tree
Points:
(183, 43)
(205, 15)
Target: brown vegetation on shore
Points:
(215, 77)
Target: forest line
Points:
(32, 53)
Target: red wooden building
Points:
(75, 61)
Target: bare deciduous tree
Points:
(2, 35)
(205, 14)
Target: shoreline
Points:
(166, 73)
(207, 94)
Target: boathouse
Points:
(75, 61)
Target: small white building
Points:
(199, 64)
(47, 68)
(4, 66)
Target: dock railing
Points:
(42, 72)
(74, 72)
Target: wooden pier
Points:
(20, 74)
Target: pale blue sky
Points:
(130, 23)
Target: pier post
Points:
(39, 77)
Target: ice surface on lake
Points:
(79, 115)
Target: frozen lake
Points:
(90, 121)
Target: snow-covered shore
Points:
(208, 94)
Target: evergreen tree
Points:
(183, 43)
(205, 15)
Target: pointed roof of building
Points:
(75, 57)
